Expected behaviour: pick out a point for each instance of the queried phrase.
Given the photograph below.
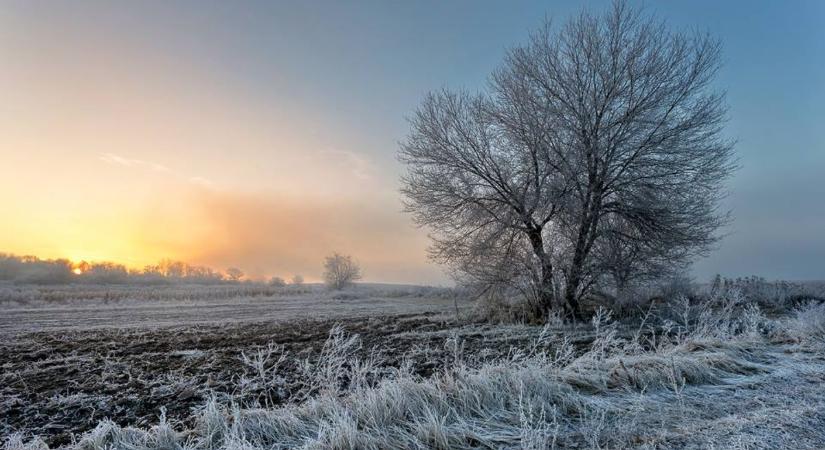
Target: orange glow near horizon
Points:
(113, 150)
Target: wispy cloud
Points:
(119, 160)
(201, 181)
(114, 159)
(359, 166)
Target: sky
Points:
(263, 135)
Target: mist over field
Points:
(429, 225)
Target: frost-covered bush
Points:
(778, 294)
(499, 306)
(341, 271)
(277, 282)
(807, 324)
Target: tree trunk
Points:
(584, 242)
(546, 283)
(573, 282)
(546, 289)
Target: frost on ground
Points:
(57, 308)
(691, 379)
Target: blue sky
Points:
(342, 77)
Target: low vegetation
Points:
(652, 379)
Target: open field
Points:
(205, 204)
(411, 376)
(79, 307)
(75, 354)
(62, 382)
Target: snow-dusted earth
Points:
(786, 406)
(781, 407)
(727, 378)
(79, 307)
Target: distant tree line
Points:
(31, 269)
(340, 271)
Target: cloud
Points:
(201, 181)
(111, 158)
(118, 160)
(358, 165)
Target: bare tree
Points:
(277, 282)
(340, 271)
(234, 273)
(297, 280)
(609, 119)
(487, 199)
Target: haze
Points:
(264, 136)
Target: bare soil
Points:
(57, 383)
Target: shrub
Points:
(234, 273)
(277, 282)
(340, 271)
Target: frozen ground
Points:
(732, 379)
(58, 383)
(80, 307)
(75, 354)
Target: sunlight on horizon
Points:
(133, 132)
(110, 161)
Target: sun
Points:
(77, 271)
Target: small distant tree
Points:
(298, 280)
(234, 274)
(277, 282)
(340, 271)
